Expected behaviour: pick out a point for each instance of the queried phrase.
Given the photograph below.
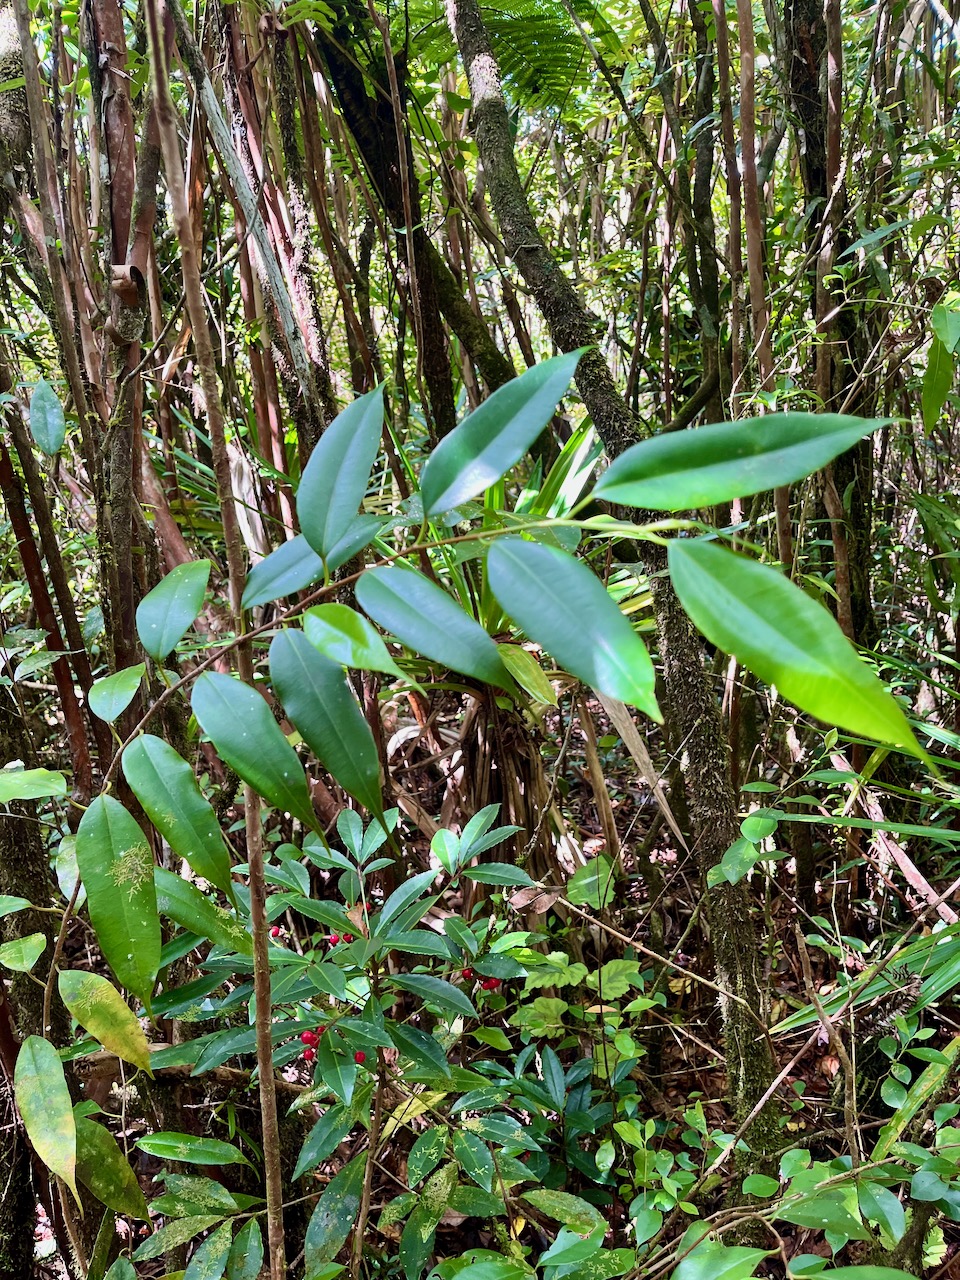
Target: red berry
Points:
(359, 1057)
(334, 939)
(320, 1031)
(275, 931)
(490, 984)
(309, 1037)
(309, 1054)
(466, 974)
(348, 937)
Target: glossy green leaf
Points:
(100, 1008)
(473, 1156)
(43, 1100)
(210, 1260)
(242, 728)
(324, 1138)
(868, 1272)
(495, 436)
(292, 567)
(336, 1068)
(166, 614)
(345, 636)
(703, 466)
(528, 673)
(103, 1167)
(9, 904)
(122, 1269)
(167, 788)
(21, 954)
(65, 866)
(499, 873)
(335, 479)
(937, 383)
(573, 1212)
(880, 1205)
(110, 696)
(194, 911)
(426, 1153)
(47, 423)
(714, 1261)
(116, 866)
(428, 621)
(246, 1256)
(562, 605)
(31, 784)
(788, 640)
(173, 1234)
(416, 1241)
(334, 1215)
(318, 700)
(443, 995)
(189, 1149)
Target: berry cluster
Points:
(486, 984)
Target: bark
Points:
(690, 704)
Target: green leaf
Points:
(21, 954)
(945, 323)
(879, 1205)
(122, 1269)
(345, 636)
(825, 1211)
(703, 466)
(43, 1100)
(99, 1007)
(758, 1184)
(570, 1210)
(473, 1156)
(194, 911)
(317, 698)
(173, 1234)
(335, 479)
(103, 1167)
(528, 673)
(592, 885)
(788, 640)
(334, 1215)
(336, 1068)
(937, 383)
(742, 856)
(499, 873)
(116, 867)
(167, 788)
(563, 606)
(428, 621)
(166, 614)
(293, 566)
(47, 423)
(9, 904)
(926, 1086)
(713, 1261)
(443, 995)
(483, 1265)
(110, 696)
(31, 784)
(239, 723)
(495, 436)
(323, 1139)
(189, 1149)
(426, 1153)
(868, 1272)
(416, 1242)
(65, 866)
(246, 1256)
(210, 1260)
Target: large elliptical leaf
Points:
(788, 640)
(702, 466)
(335, 480)
(344, 635)
(47, 424)
(240, 725)
(184, 903)
(495, 436)
(291, 567)
(103, 1167)
(563, 606)
(116, 867)
(422, 616)
(167, 788)
(43, 1100)
(98, 1006)
(166, 614)
(317, 698)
